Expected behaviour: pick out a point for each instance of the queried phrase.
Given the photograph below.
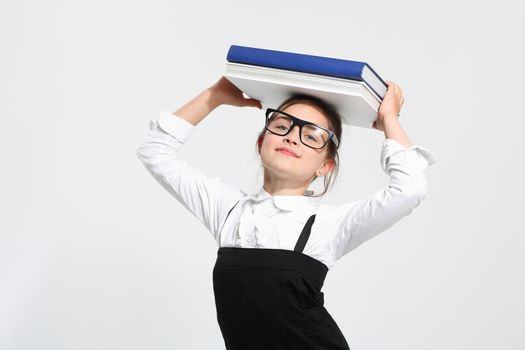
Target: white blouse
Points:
(264, 221)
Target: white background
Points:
(94, 254)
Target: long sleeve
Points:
(207, 198)
(358, 221)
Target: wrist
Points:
(388, 116)
(212, 98)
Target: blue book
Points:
(319, 65)
(270, 76)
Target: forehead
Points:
(308, 113)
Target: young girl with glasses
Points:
(276, 246)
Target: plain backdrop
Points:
(94, 254)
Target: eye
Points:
(311, 137)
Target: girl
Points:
(276, 246)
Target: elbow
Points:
(159, 152)
(413, 196)
(419, 195)
(412, 191)
(147, 154)
(141, 154)
(409, 193)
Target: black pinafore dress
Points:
(271, 299)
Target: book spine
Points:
(377, 75)
(374, 81)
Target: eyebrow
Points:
(322, 126)
(326, 127)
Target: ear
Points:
(260, 141)
(326, 168)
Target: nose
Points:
(293, 135)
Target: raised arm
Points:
(357, 222)
(207, 198)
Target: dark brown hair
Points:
(334, 120)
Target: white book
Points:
(353, 99)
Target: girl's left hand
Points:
(390, 106)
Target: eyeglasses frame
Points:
(300, 123)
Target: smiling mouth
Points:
(285, 152)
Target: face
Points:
(307, 162)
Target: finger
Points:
(254, 103)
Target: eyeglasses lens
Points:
(311, 135)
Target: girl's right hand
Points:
(224, 92)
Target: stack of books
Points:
(271, 76)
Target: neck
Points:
(284, 187)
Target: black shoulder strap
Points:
(229, 212)
(303, 237)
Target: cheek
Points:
(267, 142)
(316, 160)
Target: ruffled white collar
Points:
(286, 202)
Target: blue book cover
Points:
(320, 65)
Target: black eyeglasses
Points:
(311, 135)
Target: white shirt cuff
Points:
(176, 126)
(419, 156)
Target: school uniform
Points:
(274, 251)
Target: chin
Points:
(284, 170)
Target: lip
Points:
(287, 151)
